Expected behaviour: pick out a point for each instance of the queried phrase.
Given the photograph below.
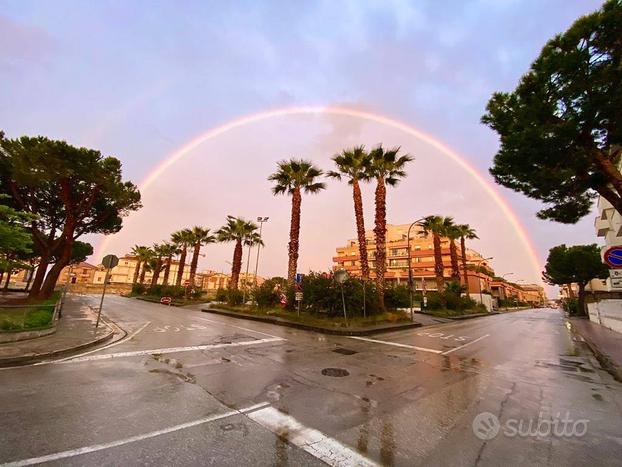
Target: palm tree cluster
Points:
(384, 166)
(158, 258)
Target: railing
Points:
(28, 317)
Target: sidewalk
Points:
(605, 343)
(75, 331)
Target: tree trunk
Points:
(380, 233)
(47, 289)
(610, 171)
(143, 271)
(135, 278)
(236, 265)
(8, 279)
(360, 228)
(167, 270)
(464, 264)
(39, 276)
(581, 300)
(29, 281)
(194, 262)
(156, 272)
(438, 262)
(182, 265)
(455, 268)
(294, 237)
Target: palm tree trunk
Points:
(167, 270)
(182, 265)
(135, 278)
(143, 271)
(236, 265)
(438, 262)
(294, 237)
(464, 264)
(380, 232)
(194, 262)
(455, 268)
(360, 228)
(156, 272)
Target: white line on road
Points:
(168, 350)
(131, 439)
(316, 443)
(464, 345)
(395, 344)
(120, 341)
(237, 327)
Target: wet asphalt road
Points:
(191, 388)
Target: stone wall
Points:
(607, 312)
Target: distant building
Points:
(213, 280)
(422, 259)
(82, 273)
(123, 273)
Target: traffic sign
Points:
(613, 257)
(298, 296)
(299, 278)
(110, 261)
(166, 300)
(615, 273)
(616, 282)
(186, 283)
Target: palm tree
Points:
(437, 226)
(142, 254)
(466, 232)
(158, 253)
(293, 177)
(453, 234)
(200, 237)
(168, 250)
(387, 168)
(252, 240)
(354, 165)
(183, 239)
(236, 230)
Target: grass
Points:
(28, 314)
(445, 313)
(319, 320)
(176, 301)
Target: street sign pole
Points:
(101, 302)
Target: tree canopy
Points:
(575, 264)
(561, 128)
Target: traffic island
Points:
(338, 328)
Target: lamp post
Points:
(261, 220)
(479, 281)
(410, 271)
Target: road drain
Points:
(335, 372)
(345, 351)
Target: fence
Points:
(29, 317)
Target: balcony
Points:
(602, 226)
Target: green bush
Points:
(38, 318)
(450, 299)
(221, 295)
(139, 289)
(571, 305)
(397, 296)
(7, 325)
(234, 297)
(267, 295)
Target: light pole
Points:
(261, 220)
(410, 271)
(479, 281)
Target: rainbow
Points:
(486, 185)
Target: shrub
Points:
(221, 295)
(234, 297)
(571, 305)
(138, 289)
(397, 296)
(267, 295)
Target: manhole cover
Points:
(336, 372)
(345, 351)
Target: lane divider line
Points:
(120, 341)
(396, 344)
(166, 350)
(316, 443)
(464, 345)
(131, 439)
(237, 327)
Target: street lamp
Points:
(410, 271)
(479, 281)
(261, 220)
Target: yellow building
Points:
(213, 280)
(82, 273)
(123, 273)
(422, 259)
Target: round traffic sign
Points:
(110, 261)
(613, 257)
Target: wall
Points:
(608, 313)
(486, 300)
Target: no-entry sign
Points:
(613, 257)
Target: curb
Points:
(462, 317)
(608, 365)
(28, 359)
(307, 327)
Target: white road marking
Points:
(131, 439)
(464, 345)
(167, 350)
(395, 344)
(237, 327)
(120, 341)
(316, 443)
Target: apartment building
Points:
(422, 259)
(123, 273)
(82, 273)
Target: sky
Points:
(139, 80)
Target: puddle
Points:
(335, 372)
